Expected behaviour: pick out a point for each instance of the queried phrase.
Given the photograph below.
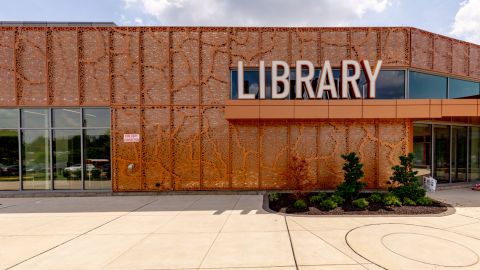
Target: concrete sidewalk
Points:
(228, 232)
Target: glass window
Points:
(463, 89)
(250, 82)
(459, 154)
(427, 86)
(97, 159)
(9, 118)
(35, 118)
(96, 117)
(9, 171)
(422, 147)
(474, 153)
(442, 153)
(67, 159)
(390, 84)
(65, 118)
(35, 159)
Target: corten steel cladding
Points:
(171, 85)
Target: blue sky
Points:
(457, 18)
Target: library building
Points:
(99, 107)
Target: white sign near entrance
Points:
(131, 138)
(350, 71)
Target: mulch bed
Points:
(284, 205)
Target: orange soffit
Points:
(350, 72)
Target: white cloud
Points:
(467, 21)
(256, 12)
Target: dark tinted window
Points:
(427, 86)
(463, 89)
(8, 118)
(390, 85)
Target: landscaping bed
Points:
(284, 203)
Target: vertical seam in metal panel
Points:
(410, 49)
(319, 47)
(79, 71)
(82, 158)
(229, 164)
(15, 46)
(50, 133)
(171, 120)
(433, 52)
(142, 112)
(47, 86)
(20, 162)
(259, 126)
(200, 109)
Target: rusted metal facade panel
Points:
(365, 44)
(31, 69)
(127, 172)
(94, 67)
(395, 46)
(125, 61)
(215, 78)
(155, 65)
(422, 49)
(442, 54)
(63, 68)
(245, 46)
(274, 152)
(215, 145)
(335, 46)
(156, 153)
(8, 93)
(171, 86)
(304, 46)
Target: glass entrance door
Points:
(459, 154)
(441, 153)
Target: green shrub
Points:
(274, 196)
(299, 204)
(408, 201)
(391, 200)
(407, 185)
(424, 201)
(337, 198)
(328, 204)
(376, 197)
(353, 172)
(361, 203)
(316, 199)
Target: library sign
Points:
(350, 72)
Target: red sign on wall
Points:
(131, 138)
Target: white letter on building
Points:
(371, 79)
(307, 79)
(241, 90)
(280, 78)
(261, 80)
(322, 86)
(352, 80)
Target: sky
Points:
(456, 18)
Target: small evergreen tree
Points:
(404, 180)
(353, 172)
